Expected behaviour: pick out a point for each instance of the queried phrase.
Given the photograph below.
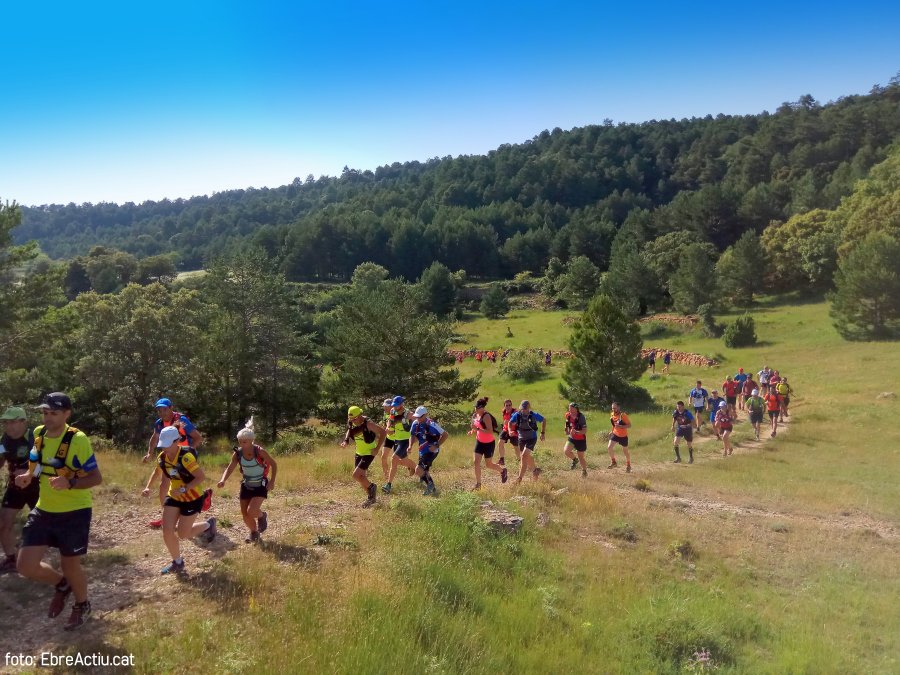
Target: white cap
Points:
(755, 392)
(722, 404)
(421, 411)
(167, 437)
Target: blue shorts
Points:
(426, 459)
(401, 448)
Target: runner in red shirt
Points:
(731, 388)
(773, 406)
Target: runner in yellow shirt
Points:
(63, 461)
(185, 496)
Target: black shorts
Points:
(773, 414)
(580, 444)
(68, 531)
(191, 508)
(16, 498)
(363, 461)
(621, 440)
(248, 493)
(401, 448)
(486, 449)
(731, 400)
(698, 411)
(786, 400)
(426, 459)
(756, 417)
(687, 433)
(388, 442)
(527, 443)
(504, 435)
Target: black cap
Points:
(56, 401)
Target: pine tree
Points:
(691, 283)
(866, 301)
(495, 304)
(607, 355)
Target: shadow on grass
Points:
(291, 554)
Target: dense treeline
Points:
(562, 195)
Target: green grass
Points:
(619, 580)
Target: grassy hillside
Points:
(781, 558)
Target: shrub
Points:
(292, 443)
(741, 333)
(523, 365)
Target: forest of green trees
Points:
(563, 194)
(701, 214)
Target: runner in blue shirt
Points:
(698, 396)
(525, 423)
(430, 437)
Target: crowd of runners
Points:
(52, 468)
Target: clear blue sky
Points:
(135, 101)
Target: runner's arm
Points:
(379, 431)
(91, 479)
(154, 439)
(229, 468)
(443, 438)
(197, 437)
(152, 480)
(199, 477)
(272, 463)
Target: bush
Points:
(523, 365)
(741, 333)
(292, 443)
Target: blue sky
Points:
(120, 102)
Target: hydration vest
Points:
(253, 481)
(58, 463)
(184, 475)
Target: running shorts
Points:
(187, 508)
(363, 461)
(67, 531)
(16, 498)
(248, 493)
(580, 444)
(485, 449)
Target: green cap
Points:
(14, 413)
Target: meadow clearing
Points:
(779, 559)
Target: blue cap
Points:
(163, 403)
(398, 400)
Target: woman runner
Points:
(725, 425)
(619, 434)
(256, 483)
(484, 426)
(505, 434)
(185, 499)
(576, 438)
(368, 437)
